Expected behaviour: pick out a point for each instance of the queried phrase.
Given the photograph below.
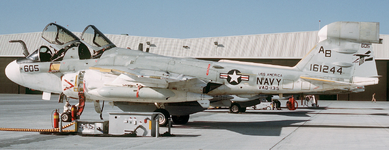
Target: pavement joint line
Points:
(294, 130)
(386, 128)
(288, 135)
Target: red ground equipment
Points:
(74, 112)
(292, 104)
(56, 119)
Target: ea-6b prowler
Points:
(134, 80)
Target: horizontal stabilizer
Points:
(365, 80)
(355, 31)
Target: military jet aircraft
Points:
(134, 80)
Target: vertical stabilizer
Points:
(344, 53)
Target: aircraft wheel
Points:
(180, 119)
(66, 117)
(163, 119)
(235, 108)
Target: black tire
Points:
(163, 119)
(235, 108)
(180, 119)
(288, 105)
(242, 109)
(278, 104)
(66, 117)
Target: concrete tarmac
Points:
(335, 125)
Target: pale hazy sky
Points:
(189, 19)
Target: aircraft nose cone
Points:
(12, 71)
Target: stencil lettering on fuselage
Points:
(269, 81)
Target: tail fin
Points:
(344, 53)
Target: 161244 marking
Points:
(325, 69)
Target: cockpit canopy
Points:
(92, 37)
(68, 46)
(58, 36)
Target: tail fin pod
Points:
(344, 53)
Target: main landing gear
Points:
(236, 108)
(164, 116)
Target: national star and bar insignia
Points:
(234, 77)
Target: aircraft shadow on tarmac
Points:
(283, 113)
(341, 126)
(260, 128)
(299, 113)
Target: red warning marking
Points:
(137, 92)
(209, 65)
(71, 85)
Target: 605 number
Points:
(31, 68)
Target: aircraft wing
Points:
(141, 85)
(142, 77)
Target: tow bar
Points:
(42, 131)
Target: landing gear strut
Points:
(98, 109)
(66, 115)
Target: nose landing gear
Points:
(72, 112)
